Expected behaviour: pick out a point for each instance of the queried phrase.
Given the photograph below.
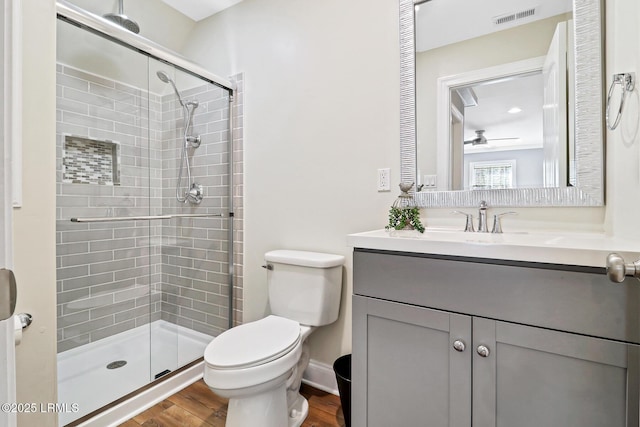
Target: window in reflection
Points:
(492, 175)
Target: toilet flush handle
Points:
(268, 266)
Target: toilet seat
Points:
(253, 344)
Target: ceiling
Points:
(504, 130)
(200, 9)
(442, 22)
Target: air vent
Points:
(526, 13)
(511, 17)
(504, 19)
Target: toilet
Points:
(258, 366)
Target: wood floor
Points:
(197, 406)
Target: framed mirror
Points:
(502, 101)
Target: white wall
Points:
(321, 115)
(623, 154)
(34, 223)
(301, 61)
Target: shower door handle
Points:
(8, 294)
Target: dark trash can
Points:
(342, 369)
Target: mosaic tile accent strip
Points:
(89, 161)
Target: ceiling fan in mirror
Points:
(480, 139)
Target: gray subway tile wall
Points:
(116, 276)
(192, 248)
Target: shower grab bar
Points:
(144, 218)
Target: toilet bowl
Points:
(263, 380)
(258, 366)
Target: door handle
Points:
(8, 294)
(617, 269)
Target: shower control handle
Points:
(194, 141)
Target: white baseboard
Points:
(320, 376)
(128, 409)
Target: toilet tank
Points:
(305, 286)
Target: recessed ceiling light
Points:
(514, 110)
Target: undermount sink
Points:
(512, 238)
(588, 249)
(552, 239)
(477, 237)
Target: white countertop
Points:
(586, 249)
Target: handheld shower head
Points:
(164, 77)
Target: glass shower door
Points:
(107, 266)
(195, 193)
(142, 218)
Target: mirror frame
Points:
(589, 128)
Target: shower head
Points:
(123, 20)
(163, 76)
(166, 79)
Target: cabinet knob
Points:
(459, 345)
(483, 350)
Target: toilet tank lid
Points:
(304, 258)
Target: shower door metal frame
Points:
(96, 24)
(93, 23)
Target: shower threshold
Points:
(148, 350)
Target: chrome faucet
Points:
(469, 224)
(482, 218)
(497, 224)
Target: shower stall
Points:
(147, 273)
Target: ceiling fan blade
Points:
(476, 141)
(502, 139)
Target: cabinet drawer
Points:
(567, 298)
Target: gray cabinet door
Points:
(405, 369)
(537, 377)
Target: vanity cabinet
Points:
(413, 374)
(459, 342)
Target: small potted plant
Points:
(404, 214)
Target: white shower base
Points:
(83, 377)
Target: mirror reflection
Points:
(494, 98)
